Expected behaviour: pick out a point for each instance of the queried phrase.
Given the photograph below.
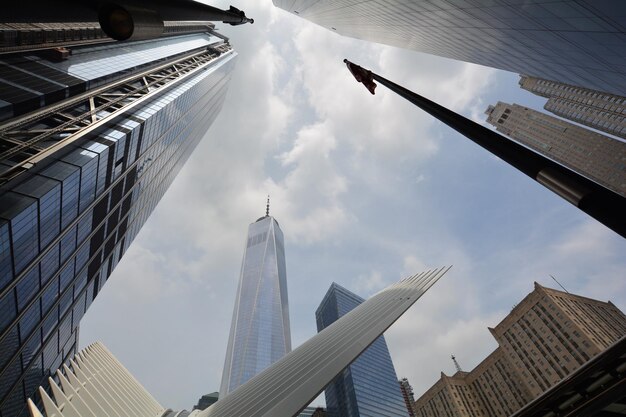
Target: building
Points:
(260, 333)
(595, 156)
(369, 386)
(575, 42)
(108, 128)
(546, 337)
(95, 383)
(207, 400)
(313, 412)
(601, 111)
(407, 395)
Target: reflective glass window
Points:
(21, 211)
(29, 320)
(8, 310)
(49, 264)
(50, 295)
(6, 267)
(27, 287)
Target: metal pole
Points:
(600, 203)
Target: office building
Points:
(369, 386)
(546, 337)
(260, 333)
(407, 395)
(575, 42)
(601, 111)
(593, 155)
(108, 128)
(206, 400)
(95, 383)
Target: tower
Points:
(260, 332)
(369, 386)
(602, 111)
(109, 126)
(595, 156)
(575, 42)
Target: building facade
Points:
(206, 400)
(110, 126)
(601, 111)
(369, 386)
(260, 333)
(514, 35)
(593, 155)
(407, 396)
(546, 337)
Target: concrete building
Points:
(546, 337)
(601, 111)
(260, 332)
(577, 42)
(593, 155)
(109, 127)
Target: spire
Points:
(267, 208)
(456, 364)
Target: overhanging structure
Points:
(98, 385)
(293, 382)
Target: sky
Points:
(367, 190)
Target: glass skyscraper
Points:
(260, 333)
(90, 140)
(575, 42)
(369, 386)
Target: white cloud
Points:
(343, 169)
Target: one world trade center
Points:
(260, 333)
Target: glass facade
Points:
(260, 332)
(66, 223)
(369, 386)
(579, 42)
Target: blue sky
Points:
(367, 190)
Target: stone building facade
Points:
(548, 335)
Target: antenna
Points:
(456, 364)
(559, 283)
(267, 208)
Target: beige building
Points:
(593, 155)
(548, 335)
(602, 111)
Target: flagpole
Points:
(602, 204)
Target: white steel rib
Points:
(97, 385)
(290, 384)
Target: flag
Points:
(362, 75)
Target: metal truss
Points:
(29, 139)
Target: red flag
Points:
(362, 75)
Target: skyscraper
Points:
(595, 156)
(108, 127)
(602, 111)
(369, 386)
(576, 42)
(546, 337)
(260, 333)
(95, 381)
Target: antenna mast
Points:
(456, 364)
(559, 283)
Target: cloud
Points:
(367, 189)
